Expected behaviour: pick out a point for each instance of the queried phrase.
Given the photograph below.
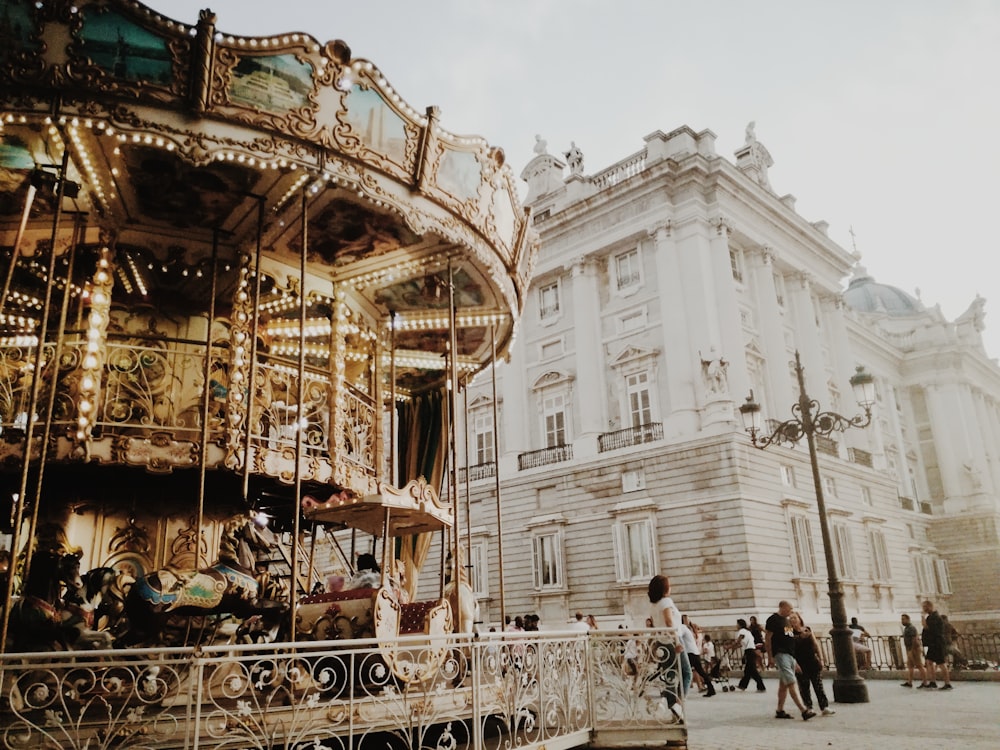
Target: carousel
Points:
(239, 276)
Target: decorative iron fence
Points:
(630, 436)
(534, 459)
(973, 651)
(478, 471)
(528, 690)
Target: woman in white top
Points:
(666, 614)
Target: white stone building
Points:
(667, 287)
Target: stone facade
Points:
(667, 288)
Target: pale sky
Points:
(881, 115)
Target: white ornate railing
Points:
(627, 167)
(527, 690)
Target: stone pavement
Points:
(895, 718)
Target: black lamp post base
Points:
(850, 690)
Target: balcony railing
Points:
(827, 445)
(646, 433)
(554, 455)
(479, 471)
(859, 456)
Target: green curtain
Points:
(422, 452)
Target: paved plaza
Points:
(895, 718)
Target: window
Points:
(829, 487)
(626, 270)
(943, 576)
(924, 575)
(484, 438)
(802, 542)
(634, 550)
(843, 551)
(554, 414)
(788, 476)
(866, 496)
(880, 556)
(637, 388)
(478, 572)
(736, 262)
(547, 560)
(548, 301)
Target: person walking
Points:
(810, 661)
(694, 656)
(665, 613)
(744, 638)
(779, 642)
(914, 653)
(934, 640)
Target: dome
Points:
(864, 294)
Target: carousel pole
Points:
(254, 322)
(29, 199)
(496, 466)
(78, 232)
(36, 382)
(206, 397)
(468, 488)
(452, 410)
(393, 479)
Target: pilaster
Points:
(681, 417)
(590, 402)
(772, 333)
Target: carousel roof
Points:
(182, 143)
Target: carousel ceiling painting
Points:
(235, 252)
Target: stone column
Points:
(514, 417)
(681, 414)
(976, 465)
(807, 339)
(778, 395)
(950, 443)
(730, 335)
(589, 397)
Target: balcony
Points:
(859, 456)
(479, 471)
(630, 436)
(554, 455)
(827, 445)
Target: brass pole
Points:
(206, 397)
(301, 397)
(452, 443)
(254, 323)
(36, 381)
(496, 467)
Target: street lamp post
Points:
(809, 421)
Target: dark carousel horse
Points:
(229, 587)
(38, 620)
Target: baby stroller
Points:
(720, 668)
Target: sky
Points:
(880, 116)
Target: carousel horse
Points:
(38, 620)
(95, 607)
(229, 587)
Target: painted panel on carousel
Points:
(460, 174)
(170, 190)
(345, 232)
(274, 83)
(123, 49)
(431, 292)
(378, 125)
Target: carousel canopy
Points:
(182, 148)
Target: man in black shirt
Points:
(779, 640)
